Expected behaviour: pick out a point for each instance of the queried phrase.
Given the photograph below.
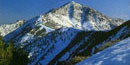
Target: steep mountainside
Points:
(119, 54)
(7, 28)
(60, 34)
(101, 39)
(87, 43)
(39, 40)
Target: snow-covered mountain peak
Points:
(73, 3)
(79, 16)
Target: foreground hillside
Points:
(118, 54)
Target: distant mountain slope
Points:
(119, 54)
(7, 28)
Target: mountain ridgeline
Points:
(59, 35)
(7, 28)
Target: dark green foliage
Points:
(76, 59)
(19, 58)
(5, 54)
(106, 45)
(11, 56)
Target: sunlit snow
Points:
(119, 54)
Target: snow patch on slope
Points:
(119, 54)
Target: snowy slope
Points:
(39, 41)
(69, 51)
(7, 28)
(56, 45)
(99, 39)
(119, 54)
(85, 43)
(42, 50)
(119, 33)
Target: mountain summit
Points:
(81, 17)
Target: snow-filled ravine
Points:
(118, 54)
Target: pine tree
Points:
(3, 53)
(12, 56)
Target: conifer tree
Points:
(12, 56)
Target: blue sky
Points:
(12, 10)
